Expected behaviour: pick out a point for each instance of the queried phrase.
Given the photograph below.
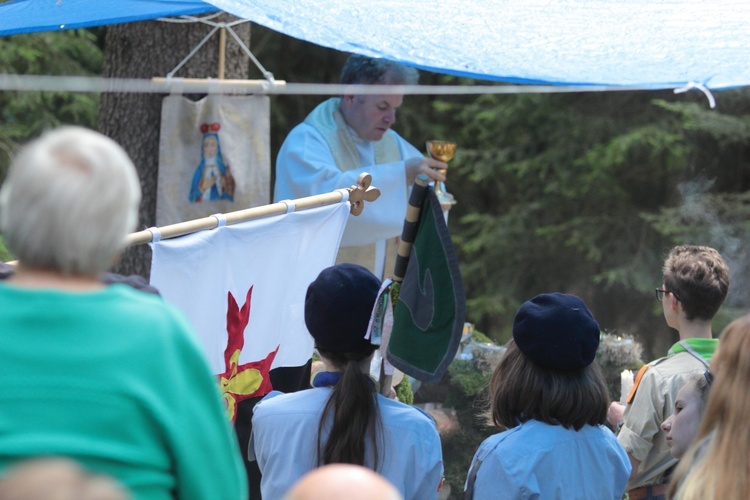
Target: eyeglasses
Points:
(660, 294)
(709, 377)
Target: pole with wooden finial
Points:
(408, 234)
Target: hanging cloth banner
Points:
(243, 289)
(214, 156)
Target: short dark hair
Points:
(369, 71)
(521, 390)
(699, 277)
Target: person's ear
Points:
(675, 304)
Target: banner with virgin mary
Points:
(214, 156)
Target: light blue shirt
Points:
(538, 460)
(285, 430)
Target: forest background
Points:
(575, 192)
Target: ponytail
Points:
(355, 413)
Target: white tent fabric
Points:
(640, 43)
(630, 43)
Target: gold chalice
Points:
(443, 151)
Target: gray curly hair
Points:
(367, 70)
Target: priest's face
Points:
(370, 115)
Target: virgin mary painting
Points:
(212, 179)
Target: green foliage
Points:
(466, 394)
(546, 201)
(5, 254)
(404, 392)
(468, 379)
(585, 194)
(24, 115)
(480, 337)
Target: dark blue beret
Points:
(557, 331)
(338, 306)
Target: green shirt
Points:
(703, 347)
(116, 380)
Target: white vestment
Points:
(306, 166)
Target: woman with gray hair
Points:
(106, 375)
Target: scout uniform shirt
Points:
(285, 444)
(651, 401)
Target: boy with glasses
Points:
(695, 284)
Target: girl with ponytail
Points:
(343, 419)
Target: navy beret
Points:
(556, 331)
(338, 307)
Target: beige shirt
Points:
(653, 402)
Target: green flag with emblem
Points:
(430, 308)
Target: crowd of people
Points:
(105, 392)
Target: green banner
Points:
(429, 314)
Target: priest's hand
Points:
(423, 165)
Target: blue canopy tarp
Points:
(28, 16)
(634, 43)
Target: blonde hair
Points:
(716, 464)
(69, 201)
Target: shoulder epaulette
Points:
(637, 381)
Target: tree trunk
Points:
(145, 50)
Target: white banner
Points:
(214, 156)
(271, 261)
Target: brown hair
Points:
(699, 278)
(521, 390)
(716, 464)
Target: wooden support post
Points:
(222, 51)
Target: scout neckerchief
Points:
(326, 379)
(690, 350)
(329, 379)
(682, 346)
